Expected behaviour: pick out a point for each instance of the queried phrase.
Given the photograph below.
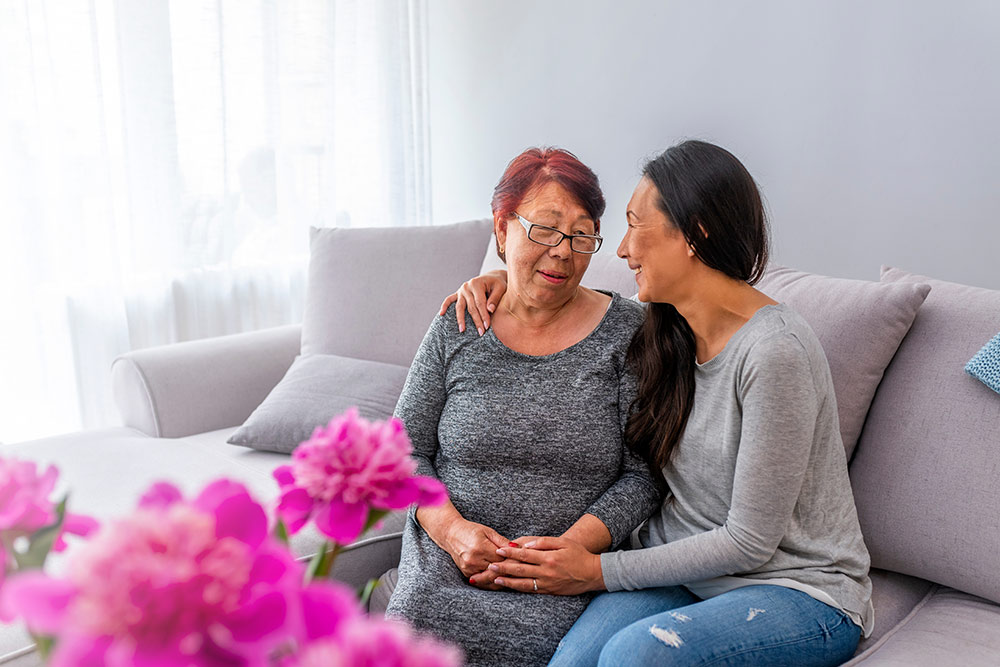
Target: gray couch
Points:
(923, 437)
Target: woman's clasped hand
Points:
(556, 565)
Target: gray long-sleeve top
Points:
(758, 483)
(526, 445)
(552, 425)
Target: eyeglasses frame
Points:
(529, 225)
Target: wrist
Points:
(596, 578)
(438, 523)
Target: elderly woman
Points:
(523, 425)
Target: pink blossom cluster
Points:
(347, 468)
(365, 642)
(333, 637)
(175, 582)
(201, 582)
(26, 507)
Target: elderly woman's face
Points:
(545, 276)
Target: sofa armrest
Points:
(367, 559)
(173, 391)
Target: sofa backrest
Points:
(859, 323)
(926, 470)
(373, 292)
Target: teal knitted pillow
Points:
(985, 365)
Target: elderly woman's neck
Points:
(533, 315)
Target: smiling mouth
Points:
(553, 277)
(637, 270)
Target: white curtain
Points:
(161, 162)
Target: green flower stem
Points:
(281, 532)
(365, 594)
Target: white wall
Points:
(872, 127)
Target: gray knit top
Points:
(526, 445)
(758, 483)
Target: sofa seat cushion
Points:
(894, 596)
(947, 627)
(925, 473)
(93, 462)
(105, 471)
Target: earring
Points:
(690, 251)
(501, 248)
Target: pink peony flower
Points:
(176, 582)
(368, 642)
(347, 468)
(24, 497)
(25, 508)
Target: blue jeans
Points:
(755, 625)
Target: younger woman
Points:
(756, 556)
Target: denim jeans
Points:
(755, 625)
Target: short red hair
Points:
(537, 166)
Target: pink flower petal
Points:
(284, 476)
(160, 495)
(326, 606)
(41, 601)
(59, 544)
(255, 621)
(79, 524)
(74, 650)
(3, 575)
(341, 522)
(240, 517)
(216, 492)
(272, 567)
(294, 509)
(402, 494)
(432, 491)
(74, 524)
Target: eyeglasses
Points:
(585, 244)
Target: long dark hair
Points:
(709, 196)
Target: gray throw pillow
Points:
(859, 323)
(925, 476)
(373, 292)
(314, 390)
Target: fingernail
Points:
(499, 582)
(513, 544)
(501, 552)
(461, 328)
(494, 567)
(480, 330)
(491, 307)
(530, 545)
(471, 582)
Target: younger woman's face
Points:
(654, 248)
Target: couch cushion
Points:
(315, 389)
(894, 596)
(859, 323)
(925, 473)
(373, 292)
(946, 628)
